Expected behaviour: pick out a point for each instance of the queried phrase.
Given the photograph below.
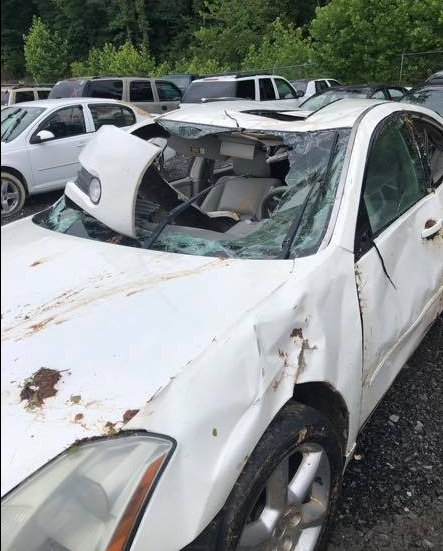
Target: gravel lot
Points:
(393, 491)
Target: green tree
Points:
(280, 46)
(12, 28)
(124, 60)
(359, 40)
(45, 52)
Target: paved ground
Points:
(393, 494)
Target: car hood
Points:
(92, 331)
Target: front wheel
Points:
(285, 498)
(13, 194)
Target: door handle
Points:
(431, 228)
(81, 145)
(164, 107)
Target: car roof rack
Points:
(18, 86)
(237, 74)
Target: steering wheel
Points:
(271, 201)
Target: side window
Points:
(333, 82)
(246, 89)
(43, 94)
(65, 123)
(395, 179)
(108, 89)
(141, 90)
(116, 115)
(321, 86)
(20, 97)
(168, 91)
(379, 94)
(266, 89)
(284, 90)
(395, 93)
(430, 141)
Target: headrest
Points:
(257, 167)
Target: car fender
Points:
(240, 383)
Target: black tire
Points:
(295, 426)
(12, 185)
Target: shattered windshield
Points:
(240, 194)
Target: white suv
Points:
(276, 91)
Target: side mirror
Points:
(43, 136)
(300, 93)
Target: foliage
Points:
(355, 40)
(359, 40)
(125, 60)
(281, 45)
(45, 53)
(12, 30)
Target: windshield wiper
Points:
(293, 230)
(14, 125)
(179, 209)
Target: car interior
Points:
(243, 175)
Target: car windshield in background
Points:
(293, 224)
(72, 88)
(432, 99)
(317, 102)
(198, 91)
(16, 119)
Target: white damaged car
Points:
(194, 335)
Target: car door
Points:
(142, 95)
(266, 89)
(169, 96)
(399, 254)
(24, 95)
(287, 96)
(54, 162)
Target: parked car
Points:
(274, 90)
(19, 94)
(374, 91)
(436, 78)
(181, 80)
(308, 87)
(430, 96)
(205, 364)
(151, 94)
(41, 142)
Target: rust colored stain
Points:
(39, 387)
(36, 263)
(129, 414)
(301, 356)
(78, 417)
(73, 300)
(110, 428)
(75, 399)
(297, 333)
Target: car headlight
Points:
(95, 190)
(90, 498)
